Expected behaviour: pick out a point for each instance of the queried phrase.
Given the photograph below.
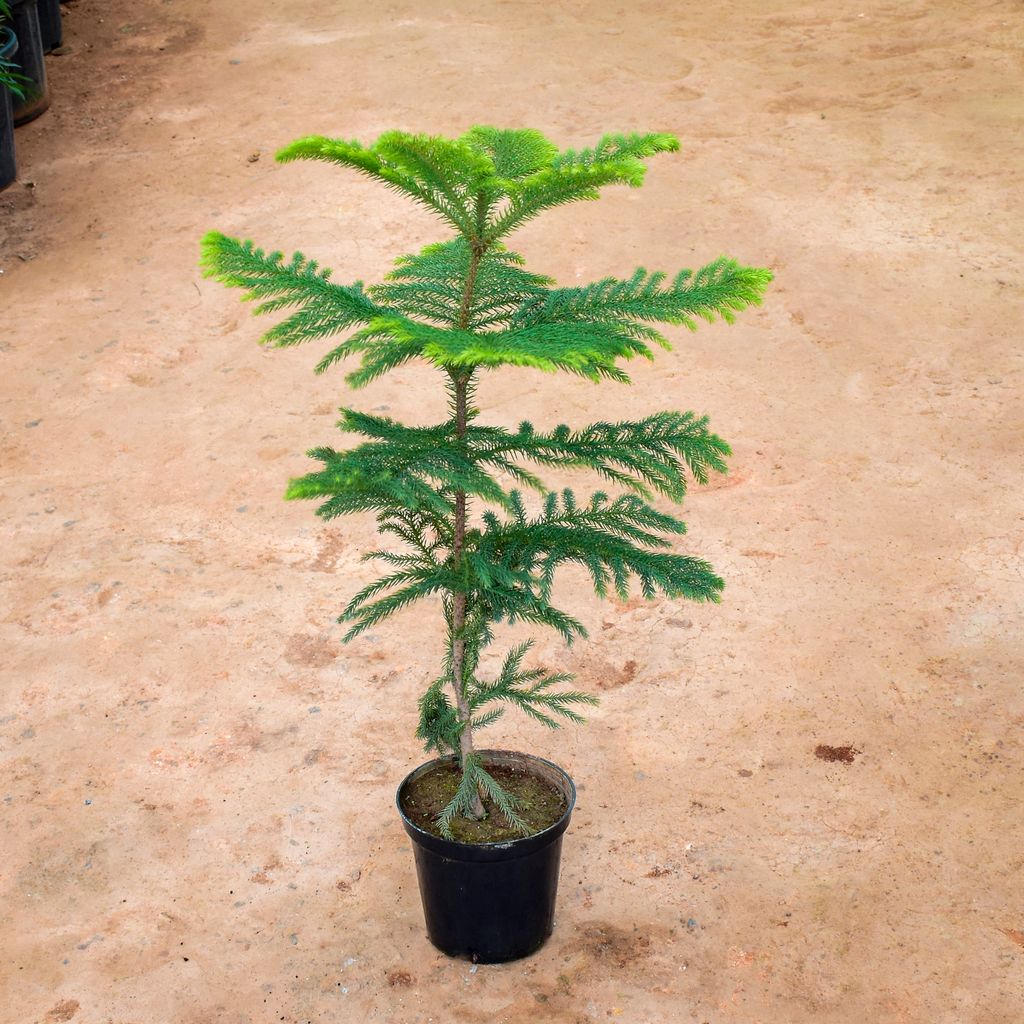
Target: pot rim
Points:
(534, 839)
(8, 36)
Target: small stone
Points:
(87, 803)
(234, 61)
(63, 51)
(253, 157)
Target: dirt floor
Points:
(198, 779)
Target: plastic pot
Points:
(50, 25)
(8, 165)
(25, 19)
(491, 902)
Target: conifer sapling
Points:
(465, 306)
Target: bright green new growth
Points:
(464, 306)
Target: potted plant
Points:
(12, 84)
(51, 26)
(34, 98)
(487, 825)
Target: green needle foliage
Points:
(464, 306)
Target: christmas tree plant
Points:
(452, 495)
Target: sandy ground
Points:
(198, 779)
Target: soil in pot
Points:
(540, 804)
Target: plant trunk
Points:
(459, 610)
(459, 601)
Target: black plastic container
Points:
(491, 902)
(8, 165)
(25, 20)
(50, 26)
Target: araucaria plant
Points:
(448, 492)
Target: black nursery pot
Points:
(491, 902)
(8, 165)
(25, 18)
(50, 25)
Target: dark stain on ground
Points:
(612, 945)
(310, 651)
(63, 1011)
(658, 872)
(823, 752)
